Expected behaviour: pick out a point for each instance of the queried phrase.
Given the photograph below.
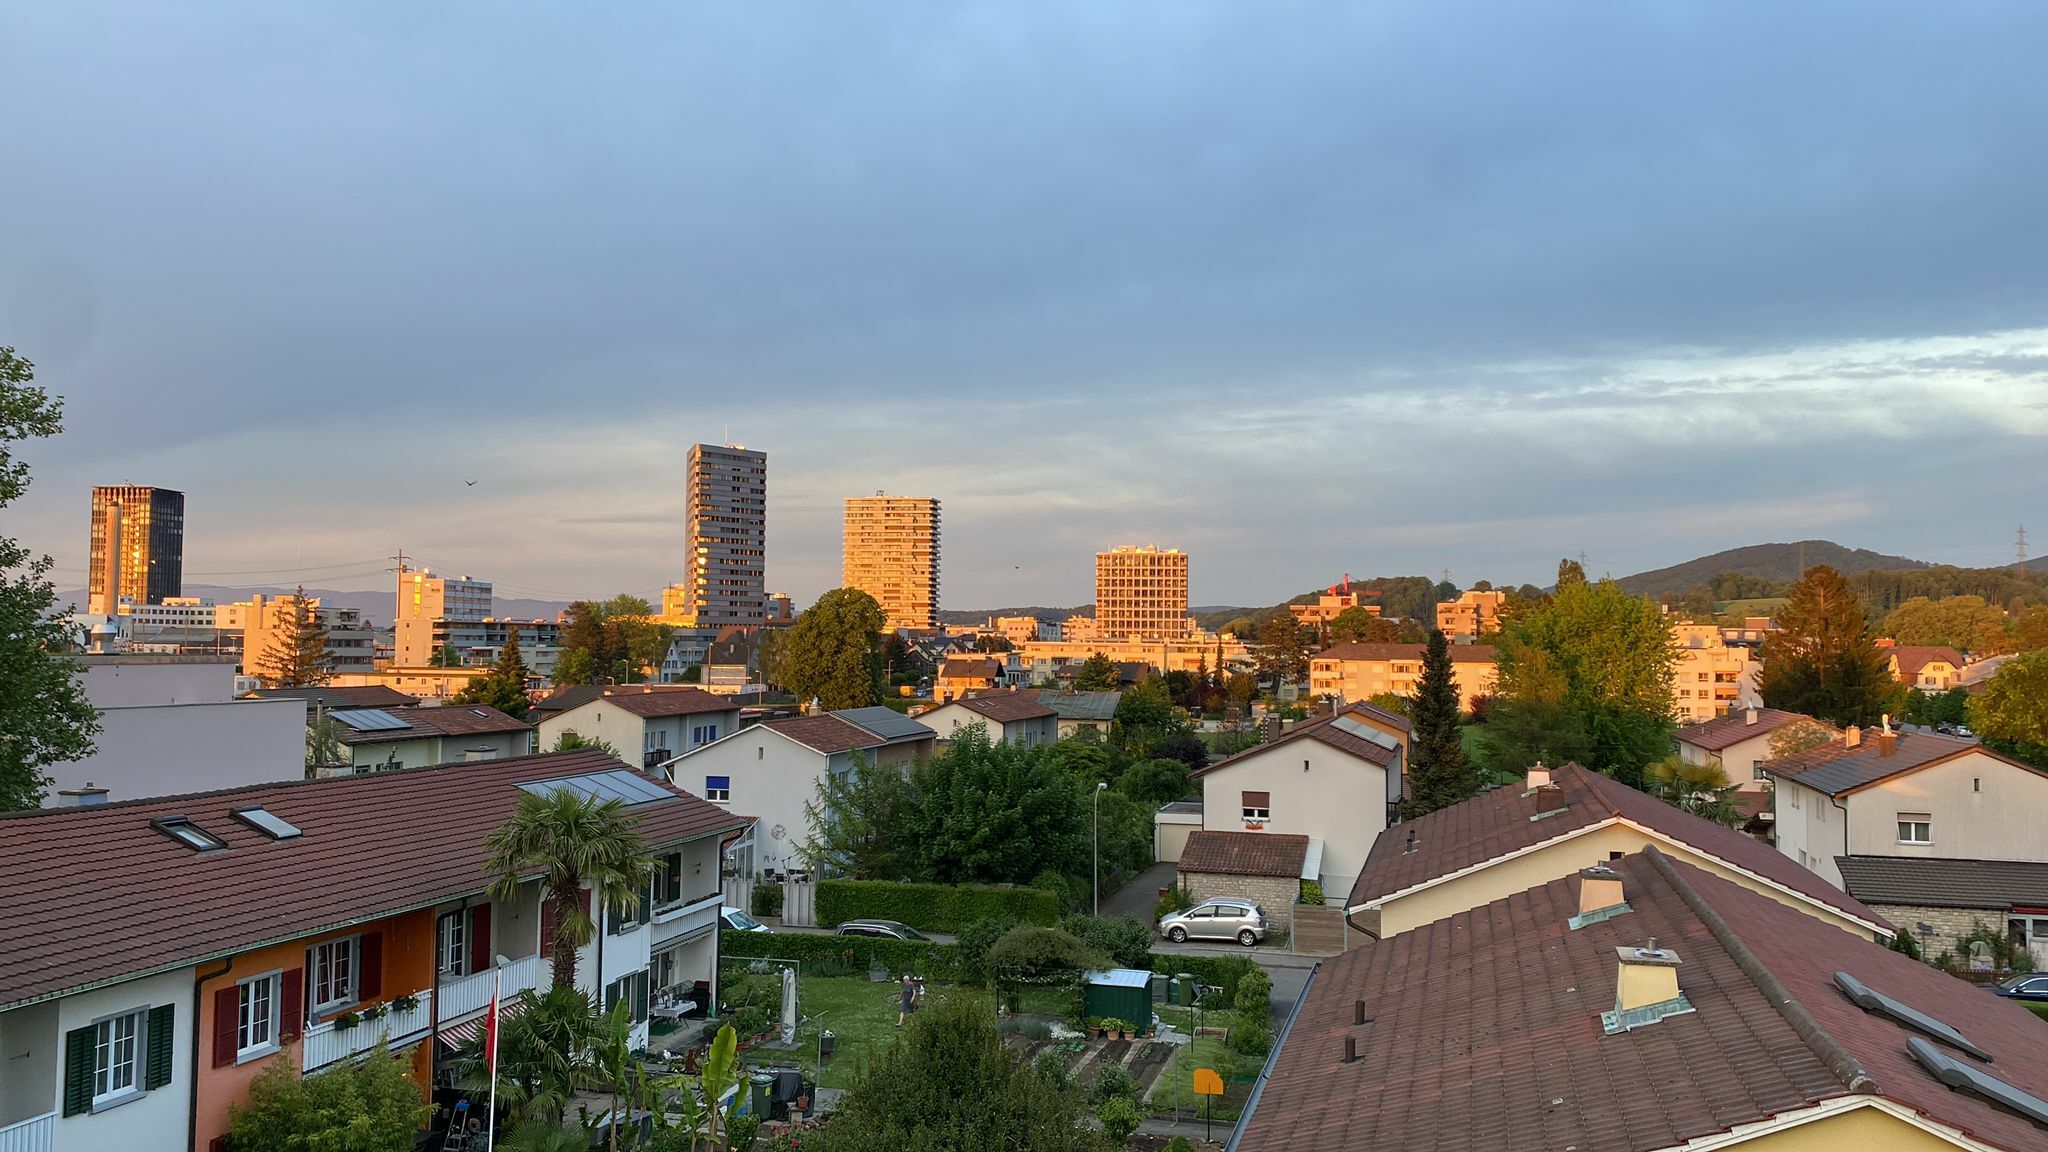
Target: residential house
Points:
(1012, 717)
(729, 666)
(1472, 615)
(1711, 676)
(328, 697)
(1507, 839)
(1264, 870)
(1926, 667)
(174, 724)
(1643, 1004)
(387, 739)
(1362, 671)
(770, 770)
(960, 675)
(1092, 711)
(1914, 794)
(427, 682)
(232, 930)
(1171, 826)
(1938, 899)
(1335, 780)
(653, 722)
(1334, 603)
(1738, 744)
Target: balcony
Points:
(35, 1134)
(326, 1044)
(472, 993)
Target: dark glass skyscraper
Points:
(138, 547)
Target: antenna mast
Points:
(2020, 552)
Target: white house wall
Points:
(160, 1118)
(772, 778)
(1339, 799)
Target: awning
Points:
(455, 1036)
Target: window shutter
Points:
(640, 997)
(217, 1144)
(227, 1010)
(291, 999)
(480, 938)
(370, 966)
(78, 1057)
(162, 1025)
(1258, 799)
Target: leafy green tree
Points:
(1822, 661)
(368, 1106)
(2011, 713)
(997, 813)
(299, 658)
(1965, 622)
(504, 688)
(1950, 707)
(833, 652)
(1154, 781)
(1145, 720)
(1702, 789)
(1098, 674)
(2030, 629)
(768, 656)
(573, 666)
(1799, 735)
(572, 841)
(1126, 940)
(990, 642)
(1570, 573)
(1030, 952)
(1084, 757)
(859, 820)
(323, 745)
(1120, 1117)
(571, 740)
(613, 640)
(1438, 775)
(445, 656)
(1282, 649)
(1125, 831)
(1362, 626)
(1393, 702)
(1241, 689)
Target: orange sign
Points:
(1207, 1082)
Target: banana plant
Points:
(699, 1095)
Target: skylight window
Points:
(1968, 1077)
(267, 822)
(1871, 1000)
(187, 833)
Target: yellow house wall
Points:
(1860, 1128)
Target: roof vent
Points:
(1539, 776)
(267, 822)
(1749, 715)
(1645, 988)
(84, 797)
(1411, 843)
(1852, 737)
(1967, 1078)
(1871, 1000)
(1600, 896)
(1549, 801)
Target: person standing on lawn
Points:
(907, 1003)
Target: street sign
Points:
(1207, 1082)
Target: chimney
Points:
(84, 797)
(1749, 717)
(1852, 737)
(1539, 777)
(1887, 743)
(1549, 798)
(1644, 977)
(1599, 890)
(1351, 1049)
(1272, 728)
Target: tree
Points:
(1154, 781)
(445, 656)
(859, 821)
(323, 745)
(1570, 573)
(610, 641)
(543, 1053)
(1145, 720)
(1930, 708)
(1799, 735)
(1361, 626)
(573, 666)
(2011, 713)
(570, 740)
(1282, 649)
(832, 653)
(2030, 629)
(572, 841)
(990, 642)
(1965, 622)
(1030, 952)
(1097, 674)
(1241, 689)
(1438, 775)
(1702, 789)
(298, 657)
(368, 1106)
(768, 656)
(504, 688)
(996, 813)
(1822, 661)
(1393, 702)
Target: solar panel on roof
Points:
(887, 723)
(1957, 1074)
(618, 784)
(1871, 1000)
(1365, 731)
(369, 719)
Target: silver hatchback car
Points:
(1218, 919)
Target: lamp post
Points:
(1101, 786)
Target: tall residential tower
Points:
(1142, 592)
(892, 554)
(726, 524)
(138, 547)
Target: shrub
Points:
(1221, 971)
(1311, 892)
(1124, 939)
(1120, 1117)
(1250, 1038)
(767, 899)
(931, 907)
(937, 961)
(1180, 1144)
(1254, 997)
(1053, 1068)
(1061, 888)
(1030, 952)
(1174, 899)
(1114, 1080)
(368, 1105)
(974, 942)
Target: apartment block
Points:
(726, 534)
(1470, 616)
(1349, 672)
(1712, 676)
(265, 623)
(892, 554)
(426, 601)
(138, 547)
(1142, 592)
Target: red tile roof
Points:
(461, 719)
(970, 668)
(90, 895)
(825, 734)
(1727, 731)
(1243, 854)
(1006, 707)
(1325, 730)
(1836, 768)
(649, 701)
(1460, 653)
(1498, 822)
(1913, 657)
(1485, 1029)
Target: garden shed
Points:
(1119, 994)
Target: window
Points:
(1916, 828)
(668, 879)
(761, 752)
(718, 788)
(187, 833)
(332, 968)
(1258, 805)
(256, 1026)
(451, 944)
(1756, 771)
(703, 734)
(117, 1057)
(1794, 793)
(650, 741)
(630, 989)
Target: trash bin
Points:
(763, 1098)
(1162, 988)
(1184, 988)
(827, 1044)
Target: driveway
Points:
(1138, 895)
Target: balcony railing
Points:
(687, 906)
(471, 993)
(325, 1044)
(35, 1134)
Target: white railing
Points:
(34, 1134)
(325, 1044)
(681, 909)
(472, 993)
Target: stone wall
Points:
(1273, 894)
(1948, 923)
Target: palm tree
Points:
(545, 1044)
(1701, 789)
(571, 841)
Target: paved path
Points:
(1139, 894)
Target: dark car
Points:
(2025, 986)
(886, 929)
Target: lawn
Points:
(861, 1015)
(1175, 1089)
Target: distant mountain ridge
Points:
(376, 607)
(1765, 561)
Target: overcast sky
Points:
(1385, 288)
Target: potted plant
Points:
(346, 1021)
(405, 1003)
(373, 1012)
(1097, 1025)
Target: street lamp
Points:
(1100, 787)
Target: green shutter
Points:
(162, 1021)
(79, 1046)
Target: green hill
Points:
(1768, 562)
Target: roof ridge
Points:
(1845, 1067)
(1606, 801)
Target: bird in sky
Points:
(469, 483)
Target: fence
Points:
(800, 903)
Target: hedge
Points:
(812, 952)
(1222, 971)
(931, 907)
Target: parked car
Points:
(886, 929)
(1217, 919)
(2025, 986)
(738, 918)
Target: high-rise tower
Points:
(138, 547)
(892, 554)
(1141, 592)
(726, 535)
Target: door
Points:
(1201, 922)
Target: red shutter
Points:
(227, 1012)
(480, 938)
(217, 1144)
(292, 1001)
(370, 982)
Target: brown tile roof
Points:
(566, 696)
(1946, 883)
(1325, 730)
(366, 696)
(1835, 768)
(825, 734)
(1913, 657)
(1727, 731)
(89, 895)
(1497, 822)
(1006, 707)
(1485, 1029)
(970, 668)
(1460, 653)
(461, 719)
(650, 701)
(1243, 853)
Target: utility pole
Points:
(2020, 552)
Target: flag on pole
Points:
(491, 1047)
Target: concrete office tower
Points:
(1141, 592)
(892, 554)
(138, 547)
(423, 600)
(726, 524)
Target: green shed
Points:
(1119, 994)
